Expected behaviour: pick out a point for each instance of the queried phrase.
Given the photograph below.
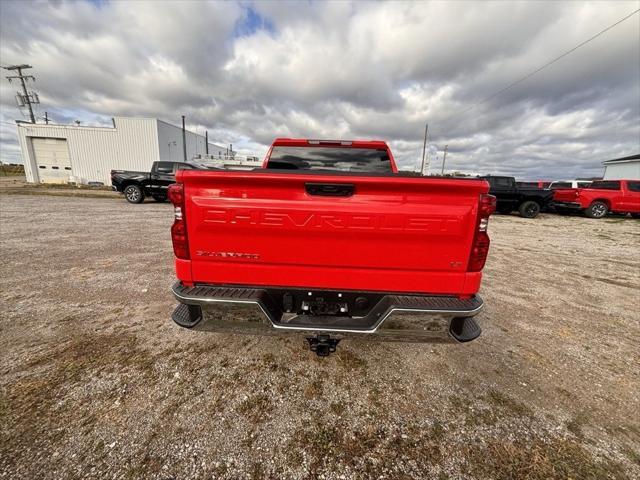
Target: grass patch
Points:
(256, 407)
(11, 170)
(331, 446)
(539, 460)
(473, 415)
(314, 390)
(349, 360)
(36, 404)
(337, 408)
(503, 401)
(576, 423)
(59, 193)
(632, 455)
(615, 220)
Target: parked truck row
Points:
(600, 198)
(528, 199)
(135, 186)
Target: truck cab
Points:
(135, 186)
(370, 156)
(601, 198)
(528, 201)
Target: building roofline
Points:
(109, 127)
(63, 125)
(180, 128)
(630, 158)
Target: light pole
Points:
(444, 159)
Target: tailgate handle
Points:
(330, 189)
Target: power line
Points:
(537, 70)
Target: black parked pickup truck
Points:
(137, 185)
(528, 201)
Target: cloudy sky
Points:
(252, 71)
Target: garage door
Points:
(52, 159)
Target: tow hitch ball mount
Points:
(323, 345)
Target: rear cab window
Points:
(184, 166)
(165, 167)
(329, 158)
(500, 181)
(634, 186)
(605, 185)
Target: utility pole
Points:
(444, 158)
(46, 118)
(206, 142)
(25, 98)
(184, 141)
(424, 148)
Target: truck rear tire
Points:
(134, 194)
(597, 209)
(529, 209)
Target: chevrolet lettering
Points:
(337, 220)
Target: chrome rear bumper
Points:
(412, 318)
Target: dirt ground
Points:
(97, 382)
(17, 185)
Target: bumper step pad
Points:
(187, 315)
(465, 329)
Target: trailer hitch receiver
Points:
(323, 345)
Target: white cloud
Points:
(249, 72)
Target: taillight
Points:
(487, 205)
(179, 227)
(481, 242)
(176, 194)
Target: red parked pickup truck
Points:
(600, 198)
(329, 238)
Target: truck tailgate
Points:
(365, 232)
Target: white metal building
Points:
(80, 154)
(627, 168)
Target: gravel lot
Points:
(97, 382)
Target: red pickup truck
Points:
(329, 238)
(600, 198)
